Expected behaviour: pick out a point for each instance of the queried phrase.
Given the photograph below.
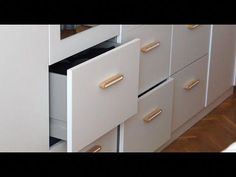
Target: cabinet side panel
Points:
(24, 56)
(221, 71)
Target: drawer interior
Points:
(53, 141)
(62, 66)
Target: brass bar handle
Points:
(95, 148)
(150, 46)
(111, 81)
(191, 27)
(191, 84)
(152, 115)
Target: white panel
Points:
(222, 60)
(61, 49)
(58, 128)
(189, 102)
(93, 111)
(188, 45)
(24, 56)
(140, 136)
(58, 96)
(154, 65)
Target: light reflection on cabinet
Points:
(71, 29)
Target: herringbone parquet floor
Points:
(213, 133)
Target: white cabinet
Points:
(24, 124)
(154, 53)
(150, 128)
(189, 92)
(97, 95)
(189, 43)
(221, 63)
(94, 96)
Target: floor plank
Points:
(213, 133)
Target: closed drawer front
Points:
(189, 91)
(63, 48)
(100, 94)
(151, 126)
(190, 42)
(106, 143)
(154, 53)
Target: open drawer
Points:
(93, 92)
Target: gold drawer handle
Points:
(191, 84)
(150, 46)
(95, 148)
(191, 27)
(152, 115)
(111, 81)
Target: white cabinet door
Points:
(24, 121)
(221, 71)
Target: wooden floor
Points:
(213, 133)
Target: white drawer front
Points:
(107, 143)
(189, 91)
(93, 111)
(154, 53)
(138, 135)
(61, 49)
(188, 45)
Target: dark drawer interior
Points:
(62, 66)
